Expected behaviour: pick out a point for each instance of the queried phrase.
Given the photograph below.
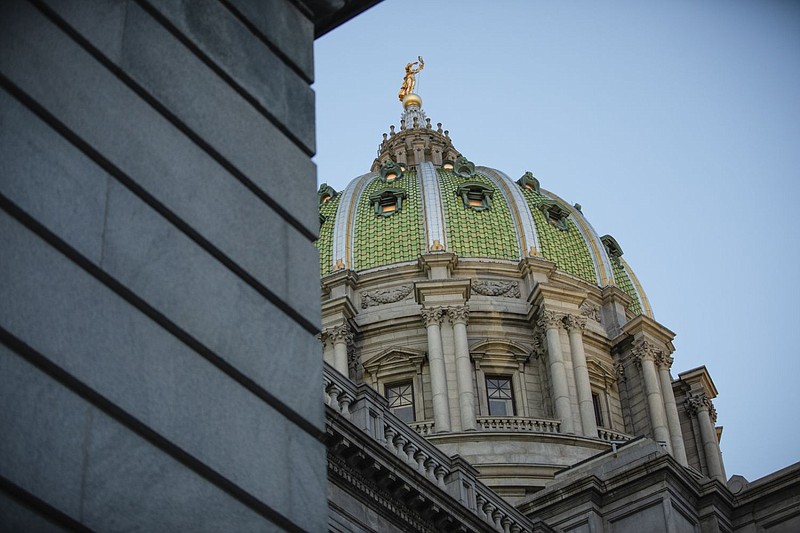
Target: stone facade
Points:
(158, 365)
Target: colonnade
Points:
(459, 317)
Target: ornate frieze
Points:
(385, 296)
(590, 311)
(458, 314)
(574, 322)
(506, 289)
(432, 315)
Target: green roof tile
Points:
(470, 233)
(625, 283)
(325, 240)
(567, 248)
(384, 240)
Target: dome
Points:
(422, 196)
(487, 312)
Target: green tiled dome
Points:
(400, 211)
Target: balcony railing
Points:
(514, 423)
(610, 435)
(369, 412)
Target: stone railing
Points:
(424, 428)
(513, 423)
(611, 435)
(369, 412)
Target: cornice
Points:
(442, 291)
(548, 294)
(338, 308)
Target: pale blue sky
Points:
(675, 124)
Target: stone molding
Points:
(432, 315)
(385, 296)
(506, 289)
(458, 314)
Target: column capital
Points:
(432, 315)
(664, 360)
(646, 351)
(574, 322)
(458, 314)
(550, 319)
(698, 402)
(342, 333)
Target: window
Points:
(387, 202)
(500, 396)
(555, 214)
(475, 196)
(598, 412)
(401, 400)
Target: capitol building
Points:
(478, 327)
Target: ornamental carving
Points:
(574, 322)
(507, 289)
(384, 296)
(539, 344)
(550, 320)
(698, 402)
(432, 315)
(458, 314)
(591, 311)
(646, 351)
(619, 370)
(664, 360)
(340, 334)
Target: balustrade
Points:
(512, 423)
(405, 442)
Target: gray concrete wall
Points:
(158, 279)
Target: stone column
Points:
(700, 405)
(646, 354)
(341, 336)
(464, 371)
(432, 316)
(550, 322)
(575, 325)
(664, 363)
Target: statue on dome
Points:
(410, 80)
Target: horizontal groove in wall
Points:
(156, 316)
(153, 102)
(154, 203)
(41, 507)
(265, 40)
(75, 385)
(202, 56)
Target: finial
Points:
(439, 127)
(406, 94)
(391, 130)
(427, 123)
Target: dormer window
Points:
(326, 193)
(387, 202)
(555, 214)
(527, 181)
(391, 171)
(612, 247)
(476, 196)
(448, 165)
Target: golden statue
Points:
(410, 80)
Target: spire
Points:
(417, 140)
